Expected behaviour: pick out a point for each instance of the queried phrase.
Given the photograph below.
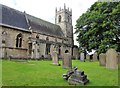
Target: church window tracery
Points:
(19, 40)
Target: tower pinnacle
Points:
(64, 6)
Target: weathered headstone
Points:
(82, 57)
(111, 59)
(95, 57)
(67, 62)
(55, 58)
(102, 59)
(88, 57)
(76, 53)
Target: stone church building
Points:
(26, 36)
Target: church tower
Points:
(63, 18)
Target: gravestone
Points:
(95, 57)
(78, 77)
(111, 59)
(118, 57)
(67, 62)
(88, 57)
(55, 58)
(82, 57)
(69, 73)
(102, 59)
(76, 52)
(75, 76)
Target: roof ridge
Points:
(12, 8)
(24, 20)
(42, 20)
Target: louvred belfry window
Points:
(59, 18)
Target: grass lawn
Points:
(43, 73)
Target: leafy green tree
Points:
(99, 27)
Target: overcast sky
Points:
(45, 9)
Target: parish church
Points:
(25, 36)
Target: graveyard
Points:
(55, 61)
(44, 73)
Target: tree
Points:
(99, 27)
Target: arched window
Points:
(19, 40)
(47, 46)
(59, 50)
(47, 49)
(59, 18)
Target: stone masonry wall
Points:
(9, 47)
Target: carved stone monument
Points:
(75, 76)
(102, 59)
(78, 77)
(67, 62)
(111, 59)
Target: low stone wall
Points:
(14, 52)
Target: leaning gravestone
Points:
(55, 58)
(67, 62)
(111, 59)
(95, 57)
(102, 59)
